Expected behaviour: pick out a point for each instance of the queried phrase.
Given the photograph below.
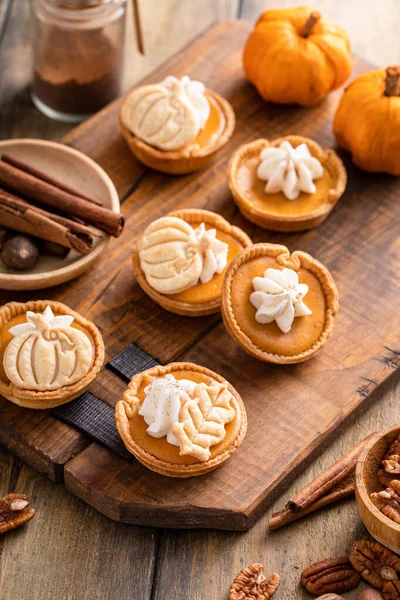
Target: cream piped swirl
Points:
(278, 296)
(289, 170)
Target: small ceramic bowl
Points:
(78, 171)
(383, 529)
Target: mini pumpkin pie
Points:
(181, 420)
(181, 259)
(288, 184)
(49, 354)
(176, 126)
(279, 306)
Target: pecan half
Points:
(377, 565)
(392, 464)
(251, 584)
(332, 575)
(385, 479)
(388, 501)
(14, 512)
(394, 448)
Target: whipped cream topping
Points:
(193, 91)
(289, 170)
(162, 403)
(214, 253)
(278, 296)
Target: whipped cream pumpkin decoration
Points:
(170, 114)
(46, 353)
(278, 296)
(289, 170)
(192, 415)
(174, 256)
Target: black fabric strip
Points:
(96, 419)
(131, 361)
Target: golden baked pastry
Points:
(176, 126)
(181, 420)
(181, 260)
(279, 307)
(287, 184)
(49, 354)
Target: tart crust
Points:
(51, 399)
(191, 216)
(187, 159)
(127, 408)
(296, 260)
(280, 222)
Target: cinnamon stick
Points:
(286, 516)
(330, 478)
(19, 215)
(54, 198)
(23, 166)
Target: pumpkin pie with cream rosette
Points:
(181, 259)
(49, 354)
(287, 184)
(181, 420)
(176, 126)
(279, 307)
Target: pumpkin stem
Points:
(311, 21)
(392, 81)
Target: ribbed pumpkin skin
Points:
(288, 68)
(367, 124)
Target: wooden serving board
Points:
(293, 411)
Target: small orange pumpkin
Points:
(367, 121)
(294, 56)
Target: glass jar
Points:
(78, 50)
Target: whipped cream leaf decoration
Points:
(278, 296)
(162, 403)
(168, 115)
(46, 353)
(289, 170)
(202, 420)
(214, 253)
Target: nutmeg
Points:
(369, 594)
(20, 253)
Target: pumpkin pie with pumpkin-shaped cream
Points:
(49, 354)
(279, 307)
(287, 184)
(181, 259)
(181, 420)
(176, 126)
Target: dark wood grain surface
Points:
(69, 550)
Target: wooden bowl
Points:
(383, 529)
(79, 171)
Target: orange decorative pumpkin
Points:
(367, 121)
(295, 56)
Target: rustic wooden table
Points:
(71, 552)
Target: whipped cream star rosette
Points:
(278, 296)
(289, 170)
(46, 353)
(174, 256)
(191, 415)
(170, 114)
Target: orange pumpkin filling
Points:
(305, 330)
(253, 190)
(159, 447)
(214, 126)
(207, 292)
(6, 337)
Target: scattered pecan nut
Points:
(14, 512)
(392, 464)
(377, 565)
(393, 449)
(251, 584)
(388, 501)
(332, 575)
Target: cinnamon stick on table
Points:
(52, 197)
(23, 166)
(17, 214)
(325, 482)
